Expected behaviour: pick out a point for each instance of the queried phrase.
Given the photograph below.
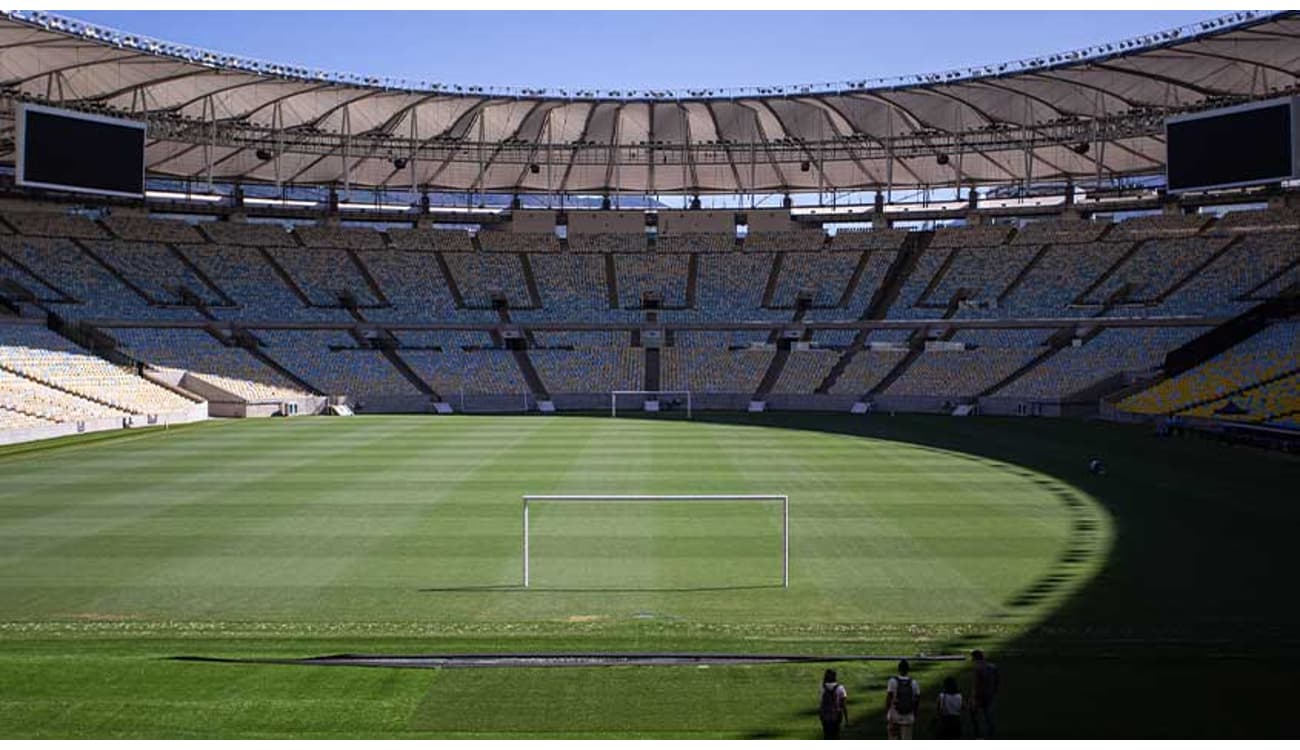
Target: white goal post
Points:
(783, 499)
(613, 399)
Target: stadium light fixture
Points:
(283, 202)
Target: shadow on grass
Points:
(1190, 601)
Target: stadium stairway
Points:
(121, 277)
(1059, 340)
(773, 278)
(692, 277)
(1086, 294)
(1192, 274)
(1024, 272)
(250, 343)
(530, 282)
(847, 295)
(652, 374)
(772, 375)
(64, 297)
(371, 282)
(452, 286)
(885, 296)
(285, 277)
(611, 280)
(531, 377)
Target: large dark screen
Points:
(69, 152)
(1240, 147)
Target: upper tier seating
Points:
(98, 293)
(249, 235)
(323, 274)
(519, 242)
(245, 275)
(824, 275)
(481, 275)
(155, 269)
(644, 272)
(1157, 226)
(1060, 232)
(869, 239)
(808, 240)
(414, 286)
(573, 287)
(141, 229)
(971, 236)
(984, 273)
(345, 238)
(52, 224)
(1059, 277)
(1156, 267)
(608, 243)
(695, 243)
(445, 240)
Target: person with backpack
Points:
(833, 705)
(902, 698)
(982, 697)
(948, 710)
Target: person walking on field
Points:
(949, 710)
(902, 698)
(833, 705)
(982, 697)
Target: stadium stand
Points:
(249, 234)
(713, 369)
(245, 275)
(140, 229)
(1060, 232)
(695, 243)
(47, 358)
(231, 369)
(56, 224)
(664, 275)
(805, 370)
(784, 242)
(1268, 354)
(607, 243)
(823, 275)
(522, 242)
(154, 269)
(346, 238)
(482, 275)
(587, 369)
(866, 369)
(332, 362)
(324, 274)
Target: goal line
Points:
(784, 500)
(613, 399)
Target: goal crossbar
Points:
(613, 399)
(783, 499)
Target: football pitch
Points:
(287, 539)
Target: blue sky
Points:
(613, 50)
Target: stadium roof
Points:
(1083, 114)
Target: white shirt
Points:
(839, 690)
(950, 704)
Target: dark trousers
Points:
(981, 718)
(950, 727)
(831, 729)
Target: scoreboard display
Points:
(1250, 144)
(61, 149)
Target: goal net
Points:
(651, 401)
(782, 500)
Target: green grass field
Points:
(297, 538)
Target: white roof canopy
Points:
(1079, 114)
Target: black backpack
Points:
(905, 696)
(829, 710)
